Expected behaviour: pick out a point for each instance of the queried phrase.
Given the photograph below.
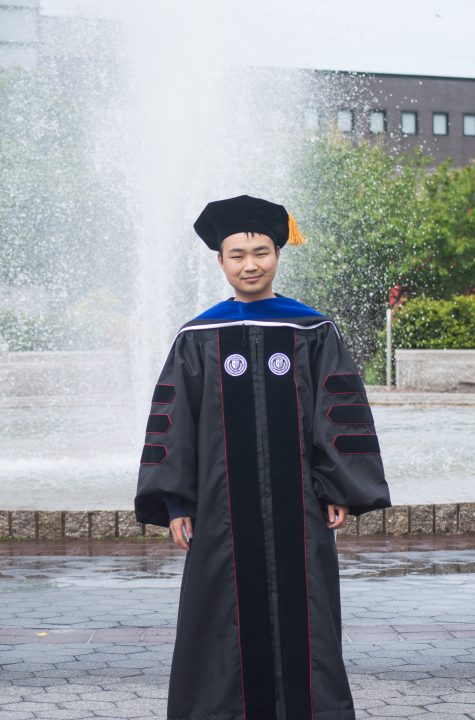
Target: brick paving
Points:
(87, 629)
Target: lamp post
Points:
(393, 297)
(389, 314)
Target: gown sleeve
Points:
(168, 463)
(173, 506)
(347, 468)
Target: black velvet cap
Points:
(243, 213)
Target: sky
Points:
(414, 37)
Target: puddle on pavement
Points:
(165, 570)
(385, 564)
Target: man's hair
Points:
(220, 251)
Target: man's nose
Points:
(250, 264)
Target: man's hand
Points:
(337, 514)
(176, 526)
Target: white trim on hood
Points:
(267, 323)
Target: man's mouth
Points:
(253, 278)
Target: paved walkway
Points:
(87, 630)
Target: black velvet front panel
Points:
(289, 519)
(247, 524)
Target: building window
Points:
(409, 122)
(345, 120)
(311, 118)
(377, 121)
(469, 124)
(440, 123)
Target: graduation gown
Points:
(258, 420)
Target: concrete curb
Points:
(442, 519)
(380, 395)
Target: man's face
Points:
(249, 262)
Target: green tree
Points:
(359, 208)
(442, 261)
(374, 220)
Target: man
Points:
(261, 441)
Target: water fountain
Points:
(117, 267)
(119, 141)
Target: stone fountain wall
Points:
(443, 519)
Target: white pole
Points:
(388, 348)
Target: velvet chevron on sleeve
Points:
(347, 468)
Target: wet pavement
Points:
(87, 628)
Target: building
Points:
(19, 21)
(436, 114)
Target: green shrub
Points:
(424, 323)
(375, 369)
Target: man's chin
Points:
(250, 289)
(260, 284)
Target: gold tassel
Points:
(295, 235)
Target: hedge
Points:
(424, 323)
